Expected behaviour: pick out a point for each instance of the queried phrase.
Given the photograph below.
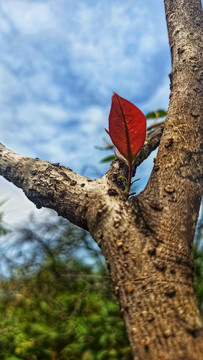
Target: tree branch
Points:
(151, 143)
(154, 125)
(48, 185)
(59, 188)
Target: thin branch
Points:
(155, 125)
(151, 143)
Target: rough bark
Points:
(61, 189)
(146, 239)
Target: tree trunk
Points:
(146, 239)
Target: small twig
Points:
(151, 143)
(155, 125)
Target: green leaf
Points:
(156, 114)
(108, 158)
(87, 355)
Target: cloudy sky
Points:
(60, 62)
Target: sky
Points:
(60, 62)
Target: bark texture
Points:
(146, 239)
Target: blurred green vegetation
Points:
(157, 114)
(198, 264)
(57, 301)
(55, 304)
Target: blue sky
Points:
(60, 62)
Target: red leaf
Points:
(127, 127)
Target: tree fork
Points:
(146, 239)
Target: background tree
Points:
(198, 262)
(146, 239)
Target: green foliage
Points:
(198, 263)
(60, 308)
(156, 114)
(198, 278)
(73, 316)
(55, 306)
(108, 158)
(3, 229)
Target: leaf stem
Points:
(130, 173)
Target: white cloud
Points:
(118, 48)
(41, 84)
(17, 207)
(30, 17)
(8, 84)
(160, 99)
(60, 62)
